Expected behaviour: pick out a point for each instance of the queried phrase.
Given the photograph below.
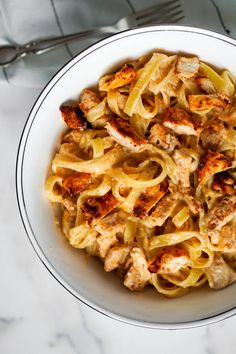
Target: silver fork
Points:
(166, 12)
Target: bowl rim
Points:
(19, 180)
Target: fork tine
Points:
(149, 10)
(161, 21)
(175, 20)
(162, 17)
(160, 12)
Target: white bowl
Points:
(84, 278)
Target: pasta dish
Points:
(145, 174)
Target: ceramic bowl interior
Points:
(84, 277)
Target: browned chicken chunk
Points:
(179, 121)
(98, 207)
(223, 211)
(205, 85)
(104, 243)
(70, 205)
(194, 204)
(185, 194)
(186, 68)
(88, 100)
(224, 183)
(227, 238)
(183, 166)
(169, 260)
(122, 132)
(148, 199)
(206, 102)
(77, 182)
(112, 223)
(138, 275)
(213, 133)
(219, 274)
(73, 116)
(163, 137)
(162, 211)
(210, 163)
(121, 78)
(117, 255)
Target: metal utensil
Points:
(167, 12)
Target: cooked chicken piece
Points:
(148, 199)
(112, 223)
(121, 78)
(169, 260)
(163, 137)
(138, 275)
(186, 67)
(206, 102)
(104, 243)
(219, 274)
(213, 133)
(76, 183)
(223, 212)
(227, 237)
(183, 166)
(205, 85)
(116, 256)
(194, 204)
(88, 100)
(91, 249)
(122, 132)
(222, 95)
(210, 163)
(95, 208)
(162, 211)
(179, 121)
(70, 205)
(73, 117)
(224, 183)
(185, 194)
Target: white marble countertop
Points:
(37, 315)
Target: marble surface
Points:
(36, 314)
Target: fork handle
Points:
(44, 44)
